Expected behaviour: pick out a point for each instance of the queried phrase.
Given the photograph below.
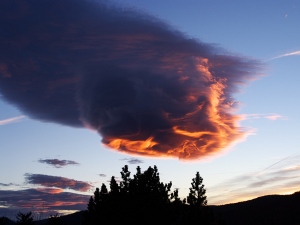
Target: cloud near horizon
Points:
(147, 88)
(57, 163)
(280, 177)
(57, 182)
(40, 201)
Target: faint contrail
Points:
(285, 55)
(275, 163)
(11, 120)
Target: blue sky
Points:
(265, 161)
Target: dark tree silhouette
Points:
(114, 187)
(97, 206)
(2, 220)
(197, 192)
(124, 184)
(24, 219)
(197, 211)
(91, 205)
(54, 220)
(144, 199)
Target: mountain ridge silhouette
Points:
(263, 210)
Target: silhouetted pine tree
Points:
(24, 219)
(124, 184)
(197, 192)
(114, 187)
(98, 205)
(144, 199)
(91, 205)
(198, 212)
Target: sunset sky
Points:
(209, 86)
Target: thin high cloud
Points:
(57, 182)
(286, 55)
(270, 116)
(145, 87)
(11, 120)
(57, 163)
(280, 177)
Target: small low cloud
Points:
(133, 160)
(275, 117)
(6, 185)
(102, 175)
(58, 163)
(57, 182)
(11, 120)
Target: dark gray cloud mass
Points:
(57, 163)
(57, 182)
(145, 87)
(7, 185)
(133, 160)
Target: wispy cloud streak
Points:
(285, 55)
(276, 163)
(281, 177)
(11, 120)
(271, 116)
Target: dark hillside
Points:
(71, 219)
(6, 221)
(265, 210)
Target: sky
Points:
(88, 87)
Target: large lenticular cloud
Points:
(145, 87)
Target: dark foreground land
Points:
(266, 210)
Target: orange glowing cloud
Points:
(145, 87)
(206, 127)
